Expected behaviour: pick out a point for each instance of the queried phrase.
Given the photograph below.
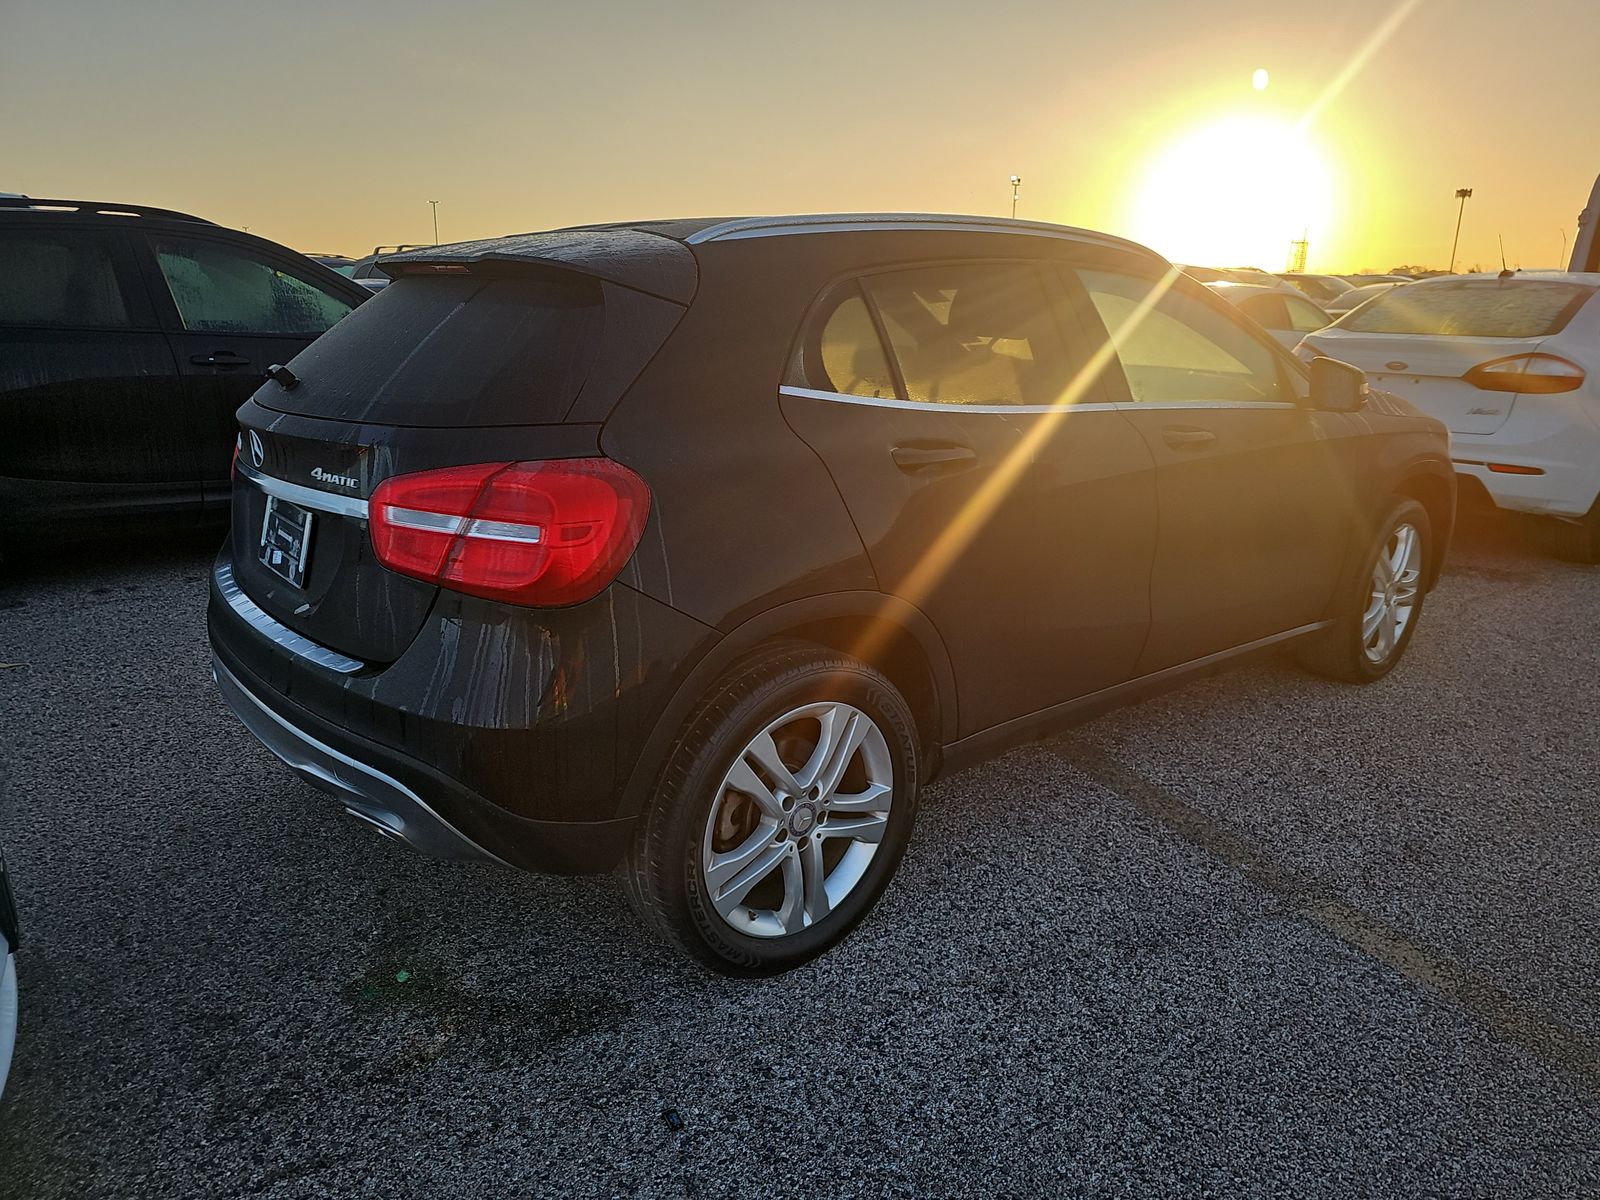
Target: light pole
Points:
(1016, 190)
(1462, 194)
(435, 205)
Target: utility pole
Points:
(435, 205)
(1463, 195)
(1297, 252)
(1016, 190)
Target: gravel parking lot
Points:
(1264, 936)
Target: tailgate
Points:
(301, 493)
(487, 363)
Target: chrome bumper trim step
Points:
(275, 630)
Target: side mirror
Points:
(1337, 386)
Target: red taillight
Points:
(233, 467)
(534, 533)
(1537, 373)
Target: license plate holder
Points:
(286, 540)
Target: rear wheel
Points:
(781, 815)
(1578, 540)
(1380, 613)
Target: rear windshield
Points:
(1511, 308)
(453, 350)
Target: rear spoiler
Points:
(645, 262)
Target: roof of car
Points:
(696, 231)
(1591, 278)
(93, 208)
(1235, 292)
(652, 256)
(1232, 288)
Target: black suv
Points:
(700, 546)
(129, 336)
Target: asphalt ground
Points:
(1263, 936)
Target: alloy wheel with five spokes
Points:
(797, 819)
(782, 812)
(1396, 578)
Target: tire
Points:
(1578, 540)
(1352, 651)
(723, 815)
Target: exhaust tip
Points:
(379, 822)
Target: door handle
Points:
(942, 456)
(219, 358)
(1186, 437)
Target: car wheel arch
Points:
(1437, 494)
(890, 633)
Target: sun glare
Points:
(1235, 192)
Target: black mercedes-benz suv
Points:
(129, 336)
(700, 546)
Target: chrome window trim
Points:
(1146, 405)
(935, 406)
(306, 497)
(276, 631)
(1003, 409)
(764, 227)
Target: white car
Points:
(1358, 296)
(1281, 311)
(8, 976)
(1511, 363)
(1321, 288)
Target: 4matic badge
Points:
(322, 476)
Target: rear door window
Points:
(1510, 308)
(974, 334)
(227, 289)
(64, 279)
(840, 350)
(1176, 348)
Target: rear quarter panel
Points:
(744, 516)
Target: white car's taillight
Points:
(1526, 373)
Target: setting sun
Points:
(1234, 192)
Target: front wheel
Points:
(1379, 615)
(782, 813)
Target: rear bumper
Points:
(1556, 436)
(1559, 490)
(406, 800)
(499, 733)
(368, 793)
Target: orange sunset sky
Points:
(329, 126)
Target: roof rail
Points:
(98, 208)
(741, 228)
